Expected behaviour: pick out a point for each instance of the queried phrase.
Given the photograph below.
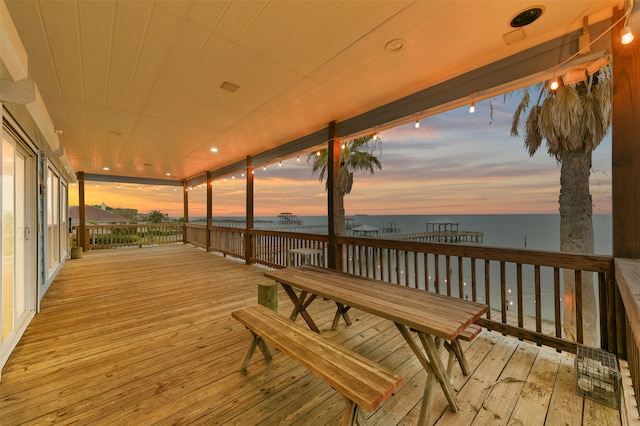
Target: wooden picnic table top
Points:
(436, 314)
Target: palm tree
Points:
(572, 120)
(357, 155)
(155, 216)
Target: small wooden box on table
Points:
(362, 382)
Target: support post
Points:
(185, 213)
(625, 156)
(209, 209)
(268, 294)
(248, 249)
(82, 227)
(335, 204)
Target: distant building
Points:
(96, 216)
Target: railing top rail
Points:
(287, 234)
(584, 262)
(133, 225)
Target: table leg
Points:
(438, 369)
(433, 366)
(300, 306)
(344, 311)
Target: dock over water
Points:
(442, 231)
(441, 236)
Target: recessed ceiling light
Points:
(527, 16)
(214, 149)
(229, 86)
(168, 174)
(106, 169)
(394, 45)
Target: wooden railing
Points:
(195, 234)
(138, 235)
(521, 287)
(228, 241)
(628, 312)
(273, 248)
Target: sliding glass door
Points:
(18, 246)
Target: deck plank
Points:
(145, 336)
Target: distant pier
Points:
(442, 231)
(441, 236)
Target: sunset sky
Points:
(455, 163)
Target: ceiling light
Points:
(417, 125)
(214, 149)
(280, 164)
(627, 36)
(472, 108)
(106, 169)
(526, 17)
(168, 174)
(394, 45)
(298, 158)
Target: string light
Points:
(627, 35)
(472, 108)
(417, 125)
(554, 85)
(298, 158)
(280, 164)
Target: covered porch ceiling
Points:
(138, 87)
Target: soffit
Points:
(135, 86)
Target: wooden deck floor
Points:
(145, 336)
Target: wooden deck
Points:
(145, 336)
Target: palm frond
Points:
(520, 109)
(533, 138)
(567, 116)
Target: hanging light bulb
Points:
(318, 153)
(417, 125)
(472, 108)
(627, 35)
(280, 164)
(298, 158)
(554, 85)
(343, 146)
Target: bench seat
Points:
(362, 382)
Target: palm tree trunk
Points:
(576, 236)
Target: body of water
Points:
(530, 231)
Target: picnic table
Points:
(435, 318)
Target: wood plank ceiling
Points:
(136, 85)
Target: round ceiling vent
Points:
(526, 17)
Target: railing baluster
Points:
(487, 286)
(447, 261)
(557, 301)
(578, 288)
(538, 300)
(503, 292)
(520, 295)
(460, 279)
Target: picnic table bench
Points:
(362, 382)
(437, 320)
